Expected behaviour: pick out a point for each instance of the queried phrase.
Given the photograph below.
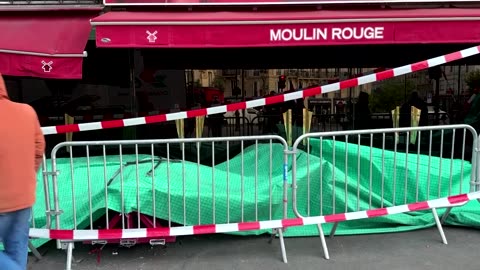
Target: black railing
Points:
(268, 124)
(273, 124)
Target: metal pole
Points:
(459, 80)
(437, 100)
(349, 72)
(243, 99)
(131, 59)
(192, 85)
(351, 106)
(237, 113)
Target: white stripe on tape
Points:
(176, 116)
(90, 126)
(134, 121)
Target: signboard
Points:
(326, 33)
(319, 101)
(265, 35)
(258, 2)
(272, 29)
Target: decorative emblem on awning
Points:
(47, 66)
(152, 37)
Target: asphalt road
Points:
(412, 250)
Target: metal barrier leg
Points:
(272, 236)
(282, 245)
(324, 242)
(334, 229)
(69, 256)
(439, 225)
(34, 250)
(445, 216)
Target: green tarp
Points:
(263, 184)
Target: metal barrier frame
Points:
(48, 213)
(69, 245)
(55, 210)
(476, 181)
(474, 174)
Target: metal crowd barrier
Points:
(138, 175)
(359, 180)
(139, 189)
(41, 207)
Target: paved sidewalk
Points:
(401, 251)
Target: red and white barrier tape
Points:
(376, 70)
(269, 100)
(248, 226)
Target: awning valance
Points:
(296, 28)
(45, 45)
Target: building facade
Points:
(260, 82)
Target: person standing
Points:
(22, 146)
(406, 112)
(362, 112)
(216, 120)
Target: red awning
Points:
(296, 28)
(44, 45)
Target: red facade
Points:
(50, 42)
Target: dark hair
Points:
(363, 97)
